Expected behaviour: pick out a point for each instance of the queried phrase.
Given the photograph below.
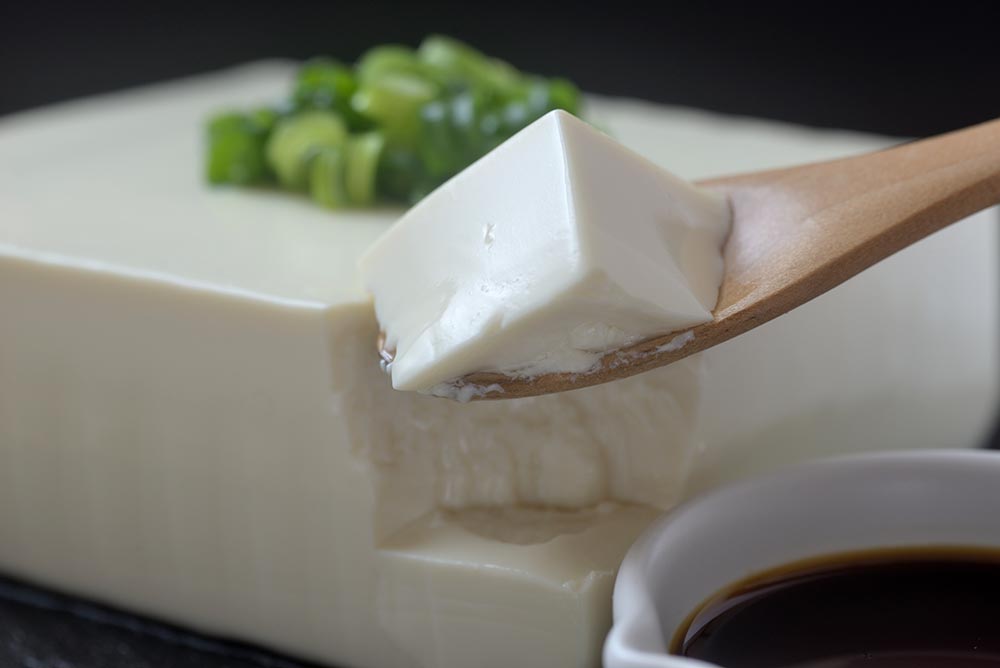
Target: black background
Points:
(910, 69)
(907, 69)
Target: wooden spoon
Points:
(799, 231)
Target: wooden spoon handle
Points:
(804, 230)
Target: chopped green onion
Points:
(536, 99)
(326, 178)
(439, 149)
(392, 127)
(421, 189)
(466, 110)
(564, 95)
(264, 118)
(460, 63)
(398, 171)
(363, 153)
(296, 139)
(324, 84)
(394, 102)
(346, 175)
(390, 59)
(515, 117)
(236, 144)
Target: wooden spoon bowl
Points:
(798, 232)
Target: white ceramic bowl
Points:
(839, 505)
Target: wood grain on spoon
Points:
(800, 231)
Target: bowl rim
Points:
(634, 615)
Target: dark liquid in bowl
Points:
(900, 609)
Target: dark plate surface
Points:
(42, 629)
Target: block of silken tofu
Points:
(194, 425)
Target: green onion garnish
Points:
(326, 178)
(236, 145)
(391, 128)
(295, 141)
(363, 153)
(393, 101)
(390, 59)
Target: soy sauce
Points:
(913, 609)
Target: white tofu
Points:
(553, 249)
(193, 423)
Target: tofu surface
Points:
(555, 248)
(193, 423)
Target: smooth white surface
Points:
(126, 198)
(841, 505)
(193, 423)
(557, 247)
